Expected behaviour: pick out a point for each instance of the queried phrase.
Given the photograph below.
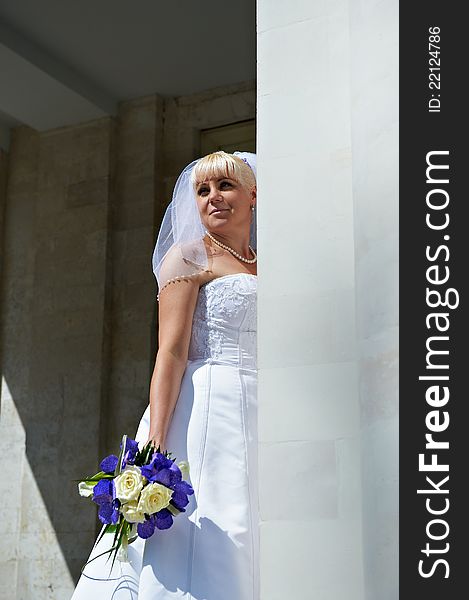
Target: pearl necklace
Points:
(246, 260)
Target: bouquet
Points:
(137, 492)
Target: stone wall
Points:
(3, 199)
(53, 341)
(137, 202)
(78, 318)
(186, 116)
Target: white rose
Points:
(131, 512)
(86, 489)
(129, 484)
(184, 468)
(154, 497)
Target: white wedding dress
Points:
(211, 552)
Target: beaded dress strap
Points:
(177, 278)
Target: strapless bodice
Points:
(224, 326)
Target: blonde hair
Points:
(223, 164)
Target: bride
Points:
(203, 396)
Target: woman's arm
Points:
(176, 309)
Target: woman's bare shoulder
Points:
(185, 263)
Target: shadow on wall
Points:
(78, 334)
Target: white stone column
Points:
(328, 306)
(375, 105)
(309, 416)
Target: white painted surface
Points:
(375, 130)
(327, 125)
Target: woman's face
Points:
(224, 204)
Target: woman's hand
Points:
(156, 441)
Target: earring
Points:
(252, 207)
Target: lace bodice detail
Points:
(224, 326)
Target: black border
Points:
(421, 132)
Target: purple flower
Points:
(162, 470)
(165, 471)
(109, 464)
(104, 491)
(163, 519)
(146, 529)
(179, 498)
(109, 513)
(104, 494)
(131, 449)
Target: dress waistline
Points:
(239, 352)
(251, 366)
